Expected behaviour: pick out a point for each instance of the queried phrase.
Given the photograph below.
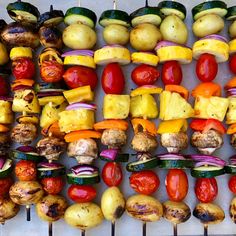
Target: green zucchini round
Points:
(231, 15)
(142, 165)
(83, 179)
(6, 169)
(26, 156)
(207, 172)
(124, 157)
(176, 164)
(50, 172)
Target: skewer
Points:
(175, 228)
(144, 228)
(205, 230)
(114, 4)
(49, 228)
(113, 228)
(79, 3)
(146, 4)
(82, 232)
(28, 217)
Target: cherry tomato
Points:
(206, 189)
(78, 76)
(144, 182)
(52, 185)
(51, 71)
(113, 79)
(4, 88)
(5, 185)
(232, 64)
(176, 185)
(23, 68)
(80, 193)
(232, 184)
(26, 170)
(206, 68)
(112, 174)
(171, 73)
(145, 75)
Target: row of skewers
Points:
(74, 124)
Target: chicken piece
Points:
(5, 143)
(8, 209)
(232, 210)
(209, 213)
(114, 138)
(51, 148)
(207, 142)
(233, 140)
(144, 142)
(84, 150)
(24, 133)
(26, 192)
(174, 142)
(51, 208)
(176, 212)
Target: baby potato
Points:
(116, 34)
(112, 204)
(79, 36)
(208, 24)
(8, 209)
(232, 30)
(143, 207)
(144, 37)
(3, 54)
(173, 29)
(83, 215)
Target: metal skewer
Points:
(28, 216)
(144, 228)
(50, 229)
(79, 3)
(82, 232)
(175, 230)
(113, 228)
(205, 230)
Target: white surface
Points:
(18, 225)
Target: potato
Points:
(112, 204)
(3, 54)
(143, 207)
(8, 209)
(83, 215)
(232, 210)
(208, 24)
(116, 34)
(232, 30)
(144, 37)
(173, 29)
(79, 36)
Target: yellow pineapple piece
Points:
(165, 97)
(6, 114)
(116, 106)
(50, 113)
(58, 100)
(231, 114)
(79, 119)
(143, 106)
(213, 107)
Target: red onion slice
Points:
(109, 154)
(89, 53)
(81, 105)
(50, 165)
(207, 158)
(21, 87)
(149, 86)
(113, 46)
(216, 37)
(49, 94)
(171, 156)
(26, 149)
(2, 162)
(8, 99)
(82, 169)
(203, 163)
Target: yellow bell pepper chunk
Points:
(145, 90)
(172, 126)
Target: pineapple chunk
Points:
(173, 106)
(6, 114)
(116, 106)
(79, 119)
(58, 100)
(143, 106)
(80, 94)
(50, 113)
(231, 114)
(213, 107)
(25, 101)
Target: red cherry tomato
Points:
(176, 185)
(145, 75)
(206, 189)
(78, 76)
(5, 185)
(232, 184)
(52, 185)
(4, 88)
(144, 182)
(171, 73)
(51, 71)
(23, 68)
(80, 193)
(113, 79)
(232, 64)
(26, 170)
(206, 68)
(112, 174)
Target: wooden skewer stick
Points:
(144, 228)
(50, 229)
(82, 232)
(28, 217)
(114, 4)
(175, 228)
(205, 230)
(113, 228)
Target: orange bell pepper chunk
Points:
(146, 125)
(231, 83)
(4, 128)
(82, 134)
(53, 130)
(111, 124)
(27, 82)
(231, 129)
(207, 90)
(178, 89)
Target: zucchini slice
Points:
(173, 8)
(231, 15)
(83, 179)
(176, 164)
(23, 12)
(142, 165)
(26, 156)
(150, 15)
(124, 157)
(51, 172)
(212, 7)
(116, 17)
(80, 15)
(207, 171)
(6, 169)
(230, 169)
